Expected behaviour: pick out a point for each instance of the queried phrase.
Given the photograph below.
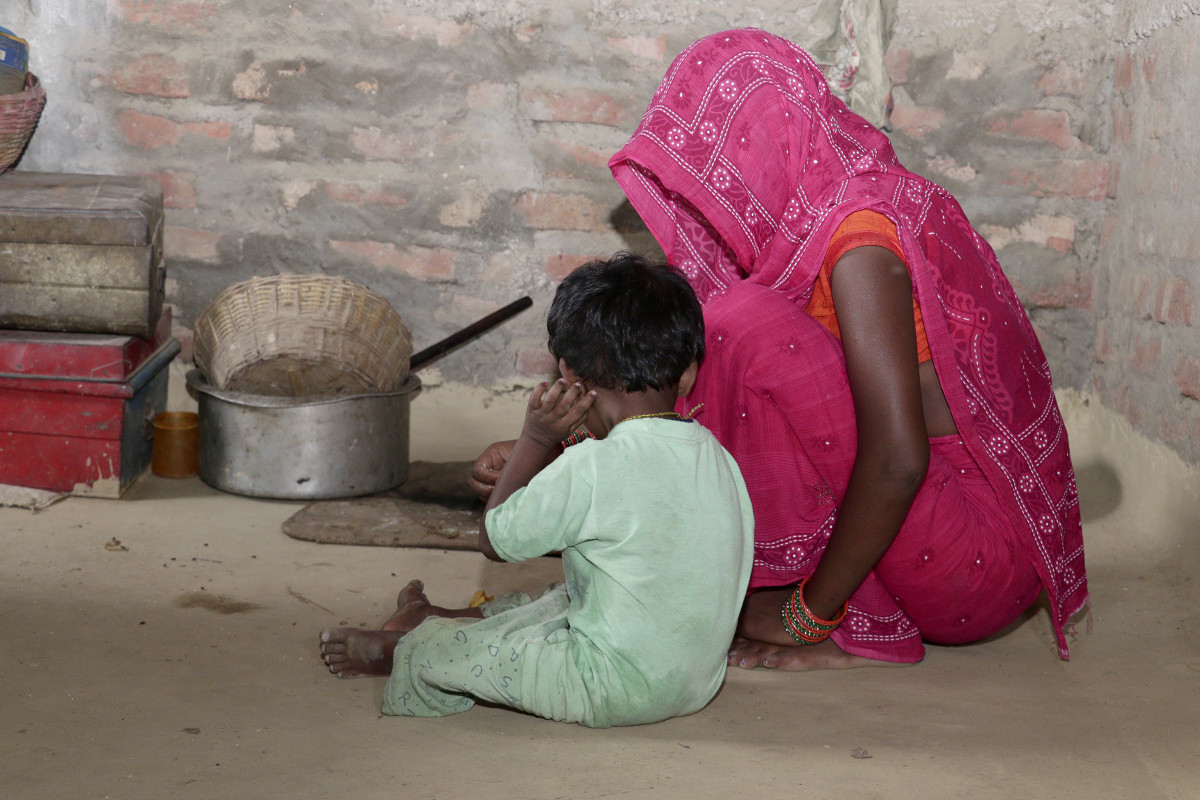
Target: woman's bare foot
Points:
(751, 653)
(412, 607)
(351, 652)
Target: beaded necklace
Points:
(661, 414)
(665, 415)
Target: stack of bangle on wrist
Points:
(803, 625)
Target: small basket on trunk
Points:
(302, 336)
(18, 117)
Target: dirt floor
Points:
(182, 663)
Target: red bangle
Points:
(803, 625)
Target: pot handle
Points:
(472, 331)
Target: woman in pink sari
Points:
(869, 366)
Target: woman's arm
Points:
(872, 295)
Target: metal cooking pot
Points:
(290, 448)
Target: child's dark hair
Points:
(626, 323)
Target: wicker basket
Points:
(18, 117)
(302, 336)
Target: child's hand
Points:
(555, 411)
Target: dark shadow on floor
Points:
(1099, 490)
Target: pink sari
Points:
(742, 167)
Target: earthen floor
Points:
(182, 663)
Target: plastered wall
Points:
(452, 155)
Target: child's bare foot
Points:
(412, 607)
(351, 652)
(750, 653)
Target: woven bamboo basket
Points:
(18, 117)
(302, 336)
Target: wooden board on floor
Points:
(433, 508)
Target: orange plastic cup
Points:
(176, 451)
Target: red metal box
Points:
(75, 434)
(89, 356)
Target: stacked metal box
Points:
(84, 343)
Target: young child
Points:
(651, 516)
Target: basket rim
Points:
(348, 324)
(20, 113)
(33, 89)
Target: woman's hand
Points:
(486, 469)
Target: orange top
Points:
(860, 229)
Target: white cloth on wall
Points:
(848, 39)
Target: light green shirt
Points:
(656, 533)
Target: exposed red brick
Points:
(156, 75)
(1173, 303)
(915, 121)
(1063, 178)
(652, 48)
(536, 363)
(1122, 71)
(1149, 64)
(151, 132)
(1143, 354)
(179, 190)
(576, 105)
(897, 61)
(191, 15)
(1062, 79)
(527, 33)
(1131, 292)
(363, 196)
(220, 129)
(561, 265)
(487, 96)
(191, 245)
(426, 263)
(1187, 376)
(561, 212)
(1075, 292)
(1122, 123)
(592, 156)
(147, 130)
(1039, 124)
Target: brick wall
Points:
(1010, 124)
(452, 155)
(1148, 341)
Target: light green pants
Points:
(522, 655)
